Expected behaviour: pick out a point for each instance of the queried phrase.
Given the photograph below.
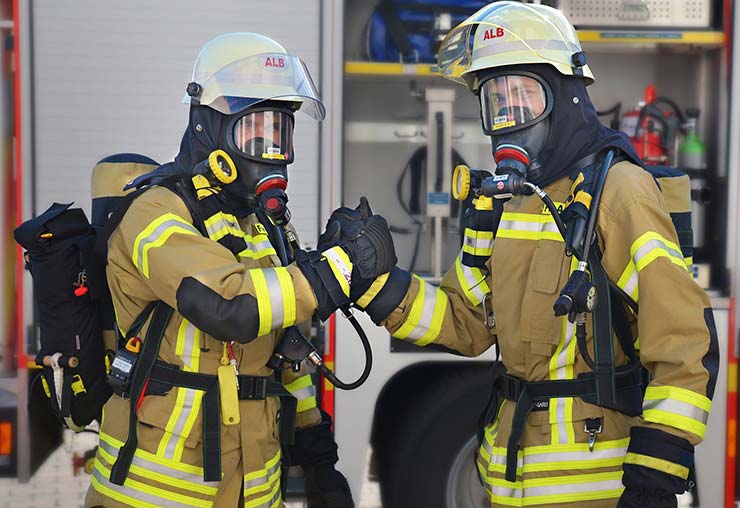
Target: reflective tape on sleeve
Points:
(677, 407)
(155, 235)
(424, 321)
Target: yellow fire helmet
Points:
(511, 33)
(235, 71)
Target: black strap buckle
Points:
(252, 388)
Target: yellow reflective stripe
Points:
(289, 303)
(536, 491)
(472, 282)
(528, 226)
(270, 496)
(301, 382)
(689, 262)
(478, 243)
(155, 235)
(658, 464)
(170, 439)
(221, 224)
(165, 479)
(373, 291)
(341, 266)
(650, 246)
(426, 316)
(306, 404)
(123, 498)
(251, 254)
(187, 347)
(269, 482)
(677, 407)
(262, 292)
(152, 491)
(177, 466)
(680, 394)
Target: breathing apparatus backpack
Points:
(411, 30)
(75, 312)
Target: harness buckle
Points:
(592, 426)
(256, 389)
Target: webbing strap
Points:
(139, 379)
(628, 386)
(603, 345)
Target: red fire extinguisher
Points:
(653, 130)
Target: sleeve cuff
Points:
(657, 461)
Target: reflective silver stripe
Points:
(561, 373)
(516, 225)
(677, 407)
(256, 482)
(225, 225)
(276, 298)
(260, 246)
(473, 286)
(515, 45)
(159, 501)
(479, 243)
(275, 501)
(534, 227)
(597, 454)
(565, 488)
(651, 245)
(631, 284)
(427, 313)
(182, 418)
(154, 236)
(191, 339)
(159, 468)
(304, 393)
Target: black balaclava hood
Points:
(574, 127)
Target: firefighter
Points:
(199, 422)
(569, 448)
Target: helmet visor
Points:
(267, 76)
(512, 101)
(265, 136)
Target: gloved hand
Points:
(638, 499)
(655, 469)
(344, 224)
(356, 248)
(315, 451)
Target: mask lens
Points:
(508, 102)
(265, 136)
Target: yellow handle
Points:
(227, 387)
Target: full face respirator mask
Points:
(515, 109)
(251, 166)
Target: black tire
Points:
(438, 429)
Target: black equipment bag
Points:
(59, 245)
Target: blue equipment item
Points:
(411, 30)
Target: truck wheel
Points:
(431, 461)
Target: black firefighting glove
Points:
(383, 294)
(656, 469)
(315, 450)
(354, 253)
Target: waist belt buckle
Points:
(256, 390)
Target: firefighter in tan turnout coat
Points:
(202, 425)
(567, 444)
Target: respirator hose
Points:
(333, 379)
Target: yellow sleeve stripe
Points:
(263, 301)
(373, 291)
(306, 404)
(676, 421)
(658, 464)
(425, 319)
(679, 394)
(341, 266)
(301, 382)
(155, 235)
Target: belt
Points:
(628, 380)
